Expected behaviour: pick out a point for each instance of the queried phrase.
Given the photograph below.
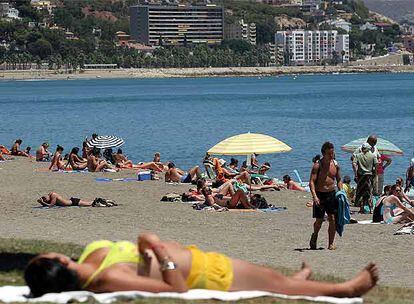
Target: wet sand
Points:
(276, 239)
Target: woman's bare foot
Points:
(304, 273)
(364, 281)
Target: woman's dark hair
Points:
(28, 149)
(387, 189)
(84, 144)
(59, 148)
(19, 141)
(75, 150)
(200, 183)
(326, 146)
(316, 158)
(96, 151)
(234, 161)
(287, 177)
(45, 275)
(171, 165)
(119, 151)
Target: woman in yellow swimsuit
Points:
(158, 266)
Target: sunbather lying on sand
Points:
(122, 161)
(158, 266)
(54, 199)
(223, 197)
(177, 175)
(291, 185)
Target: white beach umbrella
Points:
(104, 142)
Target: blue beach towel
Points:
(344, 215)
(107, 179)
(273, 209)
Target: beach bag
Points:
(171, 197)
(259, 202)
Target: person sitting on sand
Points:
(177, 175)
(15, 150)
(42, 154)
(405, 199)
(86, 151)
(57, 164)
(254, 162)
(223, 197)
(94, 163)
(54, 199)
(394, 211)
(348, 189)
(292, 185)
(158, 266)
(76, 162)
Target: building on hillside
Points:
(408, 42)
(241, 30)
(13, 13)
(281, 2)
(4, 9)
(177, 24)
(310, 5)
(43, 5)
(338, 23)
(342, 47)
(407, 29)
(368, 26)
(303, 47)
(382, 25)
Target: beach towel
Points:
(10, 294)
(406, 229)
(343, 216)
(107, 179)
(368, 222)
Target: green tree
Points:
(41, 48)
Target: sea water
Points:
(183, 118)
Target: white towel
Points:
(18, 294)
(368, 222)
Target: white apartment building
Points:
(311, 47)
(342, 47)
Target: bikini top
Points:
(119, 252)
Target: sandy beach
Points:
(276, 239)
(199, 72)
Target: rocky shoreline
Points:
(198, 72)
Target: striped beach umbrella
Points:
(104, 142)
(384, 146)
(248, 144)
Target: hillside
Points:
(399, 10)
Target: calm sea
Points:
(183, 118)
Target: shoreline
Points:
(143, 73)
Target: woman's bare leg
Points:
(241, 197)
(252, 277)
(194, 172)
(102, 165)
(227, 189)
(151, 166)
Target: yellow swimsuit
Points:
(209, 270)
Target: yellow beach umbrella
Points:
(249, 143)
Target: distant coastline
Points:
(197, 72)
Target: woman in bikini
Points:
(157, 266)
(75, 161)
(54, 199)
(394, 211)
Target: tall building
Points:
(302, 47)
(176, 25)
(241, 30)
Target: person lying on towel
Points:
(159, 266)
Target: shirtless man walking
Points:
(324, 174)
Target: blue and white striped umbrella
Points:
(383, 146)
(104, 142)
